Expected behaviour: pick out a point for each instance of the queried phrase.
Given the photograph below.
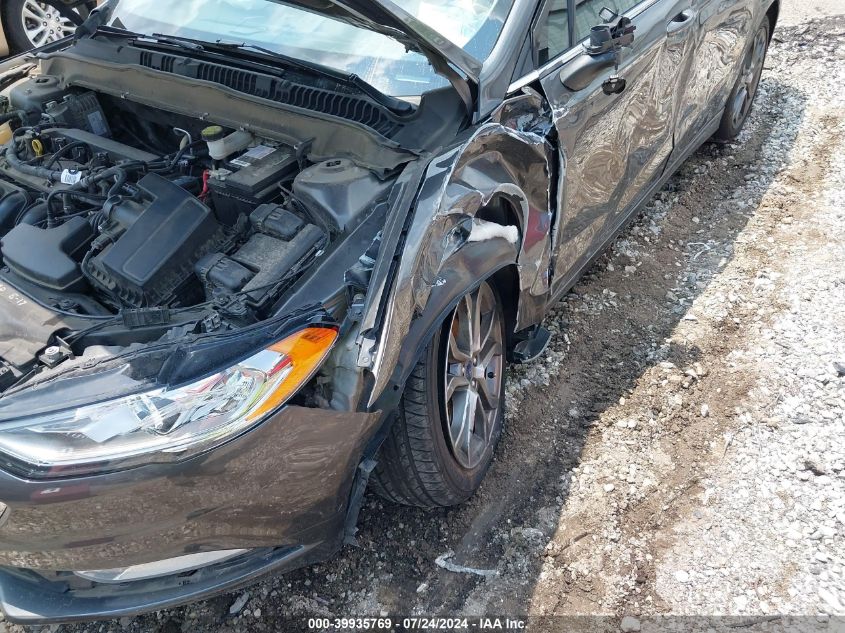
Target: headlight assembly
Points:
(168, 424)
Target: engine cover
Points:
(155, 256)
(49, 257)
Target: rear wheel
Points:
(742, 96)
(452, 410)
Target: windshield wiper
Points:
(178, 42)
(265, 54)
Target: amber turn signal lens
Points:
(302, 353)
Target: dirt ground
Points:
(679, 448)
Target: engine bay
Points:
(111, 209)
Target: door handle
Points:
(681, 23)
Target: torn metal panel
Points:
(509, 160)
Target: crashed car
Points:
(260, 255)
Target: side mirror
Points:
(580, 72)
(603, 52)
(611, 36)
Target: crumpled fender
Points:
(464, 271)
(508, 160)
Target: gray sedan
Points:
(258, 255)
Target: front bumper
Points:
(28, 598)
(281, 491)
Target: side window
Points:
(587, 14)
(552, 32)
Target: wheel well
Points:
(772, 14)
(506, 280)
(500, 211)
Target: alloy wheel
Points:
(43, 23)
(474, 376)
(749, 79)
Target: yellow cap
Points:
(213, 133)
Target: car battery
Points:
(249, 180)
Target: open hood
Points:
(388, 18)
(380, 16)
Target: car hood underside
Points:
(390, 19)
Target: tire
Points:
(18, 14)
(742, 96)
(419, 463)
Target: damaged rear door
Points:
(613, 111)
(719, 39)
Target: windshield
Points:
(382, 62)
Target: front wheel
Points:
(452, 410)
(742, 96)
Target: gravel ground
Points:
(793, 12)
(678, 450)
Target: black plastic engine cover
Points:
(278, 247)
(149, 263)
(49, 257)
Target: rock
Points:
(682, 576)
(705, 411)
(839, 367)
(630, 624)
(609, 487)
(239, 604)
(533, 534)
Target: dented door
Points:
(719, 42)
(613, 146)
